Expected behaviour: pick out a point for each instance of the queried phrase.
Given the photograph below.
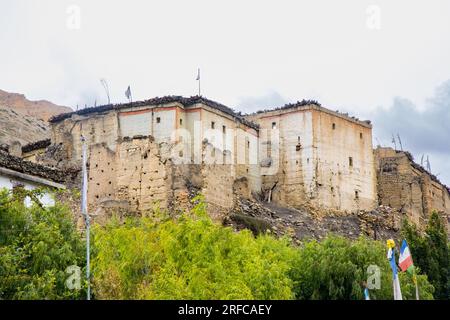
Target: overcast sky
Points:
(383, 60)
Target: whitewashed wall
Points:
(47, 199)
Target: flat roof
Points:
(186, 102)
(309, 105)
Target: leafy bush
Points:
(430, 252)
(336, 268)
(188, 258)
(36, 246)
(194, 258)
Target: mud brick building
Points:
(408, 187)
(321, 157)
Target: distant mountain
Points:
(41, 109)
(24, 120)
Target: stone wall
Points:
(344, 172)
(406, 186)
(140, 176)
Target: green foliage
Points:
(430, 252)
(36, 246)
(193, 258)
(188, 258)
(336, 268)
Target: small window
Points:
(158, 120)
(213, 124)
(248, 144)
(274, 125)
(356, 194)
(298, 139)
(224, 129)
(181, 122)
(334, 126)
(360, 135)
(350, 161)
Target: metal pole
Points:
(86, 217)
(415, 282)
(199, 80)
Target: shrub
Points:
(188, 258)
(36, 246)
(336, 268)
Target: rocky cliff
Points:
(23, 120)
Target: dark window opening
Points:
(213, 124)
(181, 122)
(334, 126)
(274, 125)
(224, 129)
(356, 194)
(360, 135)
(350, 161)
(158, 120)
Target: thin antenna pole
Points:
(394, 142)
(86, 217)
(400, 141)
(106, 87)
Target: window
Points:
(356, 194)
(298, 139)
(334, 126)
(350, 161)
(158, 120)
(274, 125)
(181, 122)
(360, 135)
(213, 124)
(248, 144)
(224, 129)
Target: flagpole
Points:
(417, 288)
(395, 280)
(199, 83)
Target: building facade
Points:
(314, 156)
(18, 173)
(159, 151)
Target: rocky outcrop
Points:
(41, 109)
(259, 217)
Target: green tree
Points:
(430, 252)
(36, 246)
(188, 258)
(336, 268)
